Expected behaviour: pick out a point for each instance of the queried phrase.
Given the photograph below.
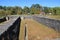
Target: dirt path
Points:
(37, 31)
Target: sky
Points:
(22, 3)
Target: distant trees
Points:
(11, 10)
(34, 9)
(54, 10)
(2, 13)
(1, 7)
(46, 10)
(26, 10)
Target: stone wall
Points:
(9, 30)
(52, 23)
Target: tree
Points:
(26, 10)
(18, 10)
(56, 10)
(35, 9)
(32, 10)
(1, 7)
(46, 10)
(2, 13)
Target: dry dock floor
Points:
(37, 31)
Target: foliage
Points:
(26, 10)
(54, 10)
(34, 9)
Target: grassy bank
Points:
(54, 16)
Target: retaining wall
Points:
(55, 24)
(9, 30)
